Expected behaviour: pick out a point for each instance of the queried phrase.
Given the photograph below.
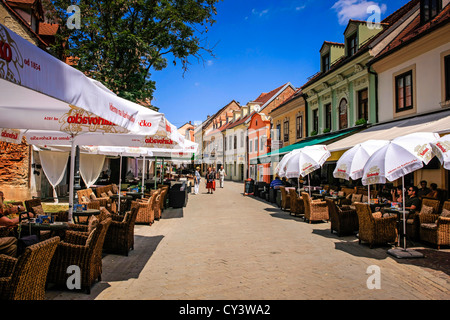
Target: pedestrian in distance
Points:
(197, 179)
(210, 180)
(222, 176)
(214, 172)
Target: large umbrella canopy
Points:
(399, 157)
(41, 92)
(441, 148)
(351, 164)
(306, 160)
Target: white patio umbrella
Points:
(41, 92)
(401, 156)
(441, 148)
(304, 161)
(351, 164)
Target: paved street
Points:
(230, 247)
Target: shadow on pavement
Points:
(433, 259)
(172, 213)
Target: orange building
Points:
(259, 144)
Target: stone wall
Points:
(15, 171)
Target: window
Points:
(328, 116)
(352, 44)
(343, 121)
(447, 77)
(278, 132)
(250, 146)
(242, 139)
(429, 9)
(286, 131)
(230, 143)
(315, 119)
(256, 144)
(363, 104)
(326, 63)
(235, 142)
(404, 92)
(299, 127)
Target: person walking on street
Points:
(222, 176)
(210, 180)
(214, 172)
(197, 179)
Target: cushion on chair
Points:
(426, 210)
(85, 199)
(430, 226)
(104, 195)
(92, 223)
(38, 210)
(445, 213)
(110, 193)
(377, 215)
(92, 196)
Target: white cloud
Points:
(354, 9)
(260, 13)
(209, 63)
(300, 8)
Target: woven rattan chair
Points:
(297, 207)
(146, 209)
(24, 278)
(315, 210)
(163, 199)
(375, 230)
(157, 204)
(285, 199)
(110, 189)
(61, 216)
(342, 221)
(87, 196)
(120, 236)
(80, 250)
(413, 220)
(434, 228)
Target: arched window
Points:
(343, 119)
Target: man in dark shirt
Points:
(412, 201)
(424, 190)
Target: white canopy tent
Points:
(44, 93)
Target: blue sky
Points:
(259, 45)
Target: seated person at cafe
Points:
(412, 201)
(423, 190)
(8, 245)
(433, 191)
(276, 183)
(396, 194)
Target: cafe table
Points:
(84, 213)
(125, 201)
(399, 212)
(135, 195)
(56, 228)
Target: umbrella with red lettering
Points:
(441, 148)
(398, 158)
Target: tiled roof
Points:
(296, 94)
(416, 30)
(264, 97)
(48, 29)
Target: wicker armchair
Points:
(24, 278)
(61, 216)
(157, 204)
(163, 199)
(80, 250)
(343, 221)
(435, 228)
(87, 196)
(120, 236)
(110, 189)
(296, 206)
(375, 230)
(146, 209)
(413, 220)
(285, 199)
(315, 210)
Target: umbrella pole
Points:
(143, 176)
(120, 182)
(404, 213)
(156, 170)
(72, 170)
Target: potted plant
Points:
(326, 130)
(361, 121)
(314, 133)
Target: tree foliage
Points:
(120, 42)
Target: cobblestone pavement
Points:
(226, 246)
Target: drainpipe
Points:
(376, 92)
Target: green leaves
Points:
(120, 41)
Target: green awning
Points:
(277, 155)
